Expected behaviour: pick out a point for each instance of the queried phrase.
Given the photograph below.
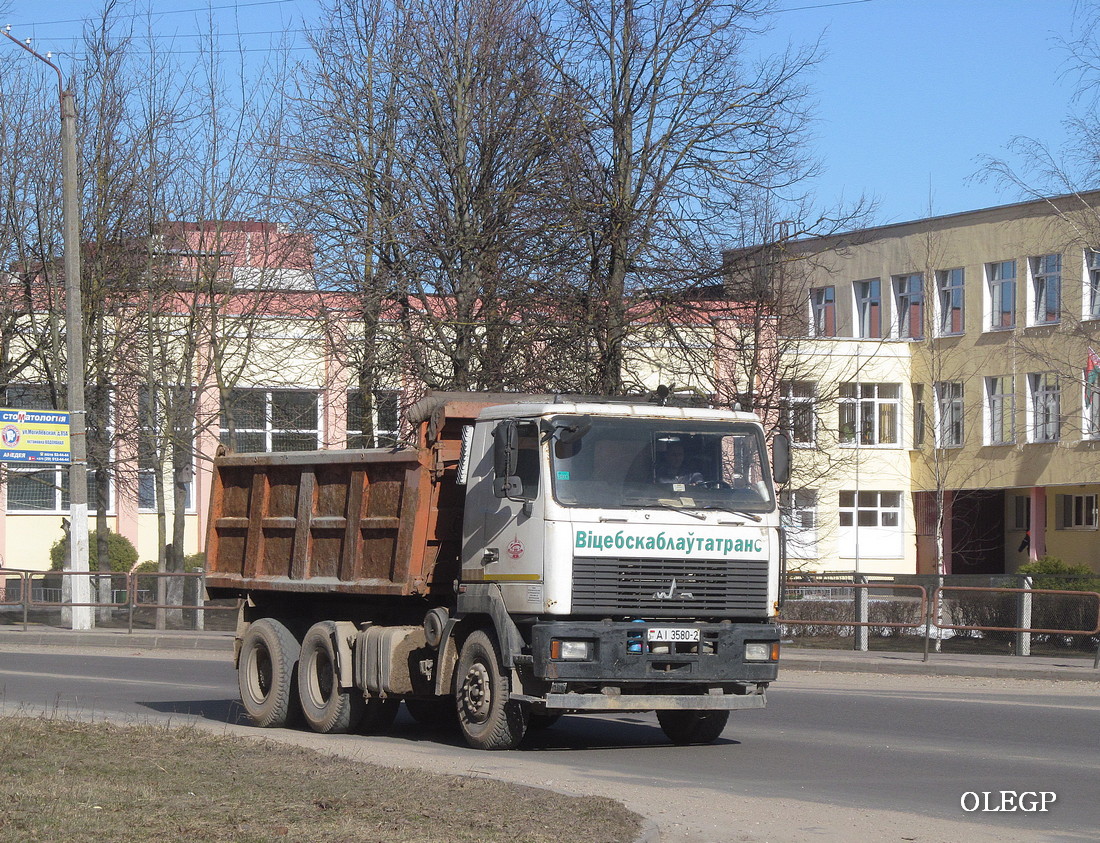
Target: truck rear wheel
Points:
(688, 727)
(266, 674)
(486, 715)
(328, 708)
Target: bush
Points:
(1051, 572)
(120, 550)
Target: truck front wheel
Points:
(488, 718)
(688, 727)
(266, 674)
(328, 708)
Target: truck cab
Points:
(636, 551)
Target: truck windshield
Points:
(627, 463)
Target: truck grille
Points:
(709, 587)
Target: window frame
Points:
(909, 297)
(36, 396)
(1077, 512)
(951, 299)
(868, 301)
(1000, 410)
(823, 311)
(997, 283)
(385, 435)
(1045, 281)
(950, 414)
(868, 403)
(1044, 394)
(269, 431)
(795, 407)
(1090, 298)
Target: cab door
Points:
(514, 523)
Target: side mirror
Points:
(781, 458)
(505, 449)
(575, 432)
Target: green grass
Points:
(73, 781)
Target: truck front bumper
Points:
(624, 670)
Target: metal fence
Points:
(136, 600)
(996, 614)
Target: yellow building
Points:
(944, 396)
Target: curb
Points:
(1083, 672)
(145, 640)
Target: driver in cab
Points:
(671, 467)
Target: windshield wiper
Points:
(732, 511)
(675, 507)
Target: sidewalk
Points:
(1060, 668)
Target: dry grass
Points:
(72, 781)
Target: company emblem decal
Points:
(673, 594)
(515, 549)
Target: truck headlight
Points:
(761, 651)
(573, 651)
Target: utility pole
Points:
(82, 617)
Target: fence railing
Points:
(999, 611)
(165, 597)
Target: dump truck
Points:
(526, 557)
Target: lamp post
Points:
(74, 344)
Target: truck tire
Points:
(266, 674)
(327, 708)
(690, 727)
(486, 715)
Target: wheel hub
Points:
(477, 694)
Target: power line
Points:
(165, 12)
(824, 5)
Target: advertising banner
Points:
(38, 436)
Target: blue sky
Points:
(911, 92)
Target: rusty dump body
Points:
(354, 522)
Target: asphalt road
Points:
(872, 757)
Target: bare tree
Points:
(682, 129)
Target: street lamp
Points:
(74, 344)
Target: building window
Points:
(869, 308)
(1091, 401)
(1092, 285)
(870, 524)
(1002, 294)
(796, 405)
(798, 508)
(999, 410)
(272, 420)
(1077, 512)
(1046, 287)
(154, 440)
(949, 411)
(823, 311)
(920, 415)
(1022, 513)
(870, 509)
(33, 489)
(909, 295)
(1045, 406)
(950, 285)
(387, 415)
(872, 409)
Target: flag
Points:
(1092, 377)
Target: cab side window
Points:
(527, 459)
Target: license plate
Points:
(670, 634)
